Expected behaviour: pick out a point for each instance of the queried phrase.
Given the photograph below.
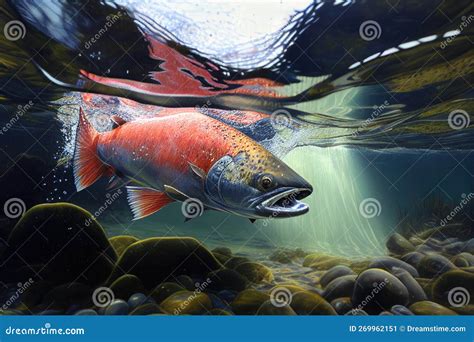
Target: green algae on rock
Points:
(427, 307)
(255, 272)
(248, 302)
(186, 303)
(156, 260)
(121, 242)
(309, 303)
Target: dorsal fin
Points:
(117, 121)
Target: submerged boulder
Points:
(377, 290)
(248, 302)
(255, 272)
(186, 303)
(433, 265)
(121, 242)
(309, 303)
(61, 243)
(155, 260)
(427, 307)
(126, 285)
(398, 245)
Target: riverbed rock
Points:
(434, 265)
(121, 242)
(186, 303)
(335, 272)
(62, 243)
(376, 290)
(456, 286)
(227, 279)
(415, 291)
(401, 310)
(340, 287)
(154, 260)
(234, 261)
(249, 301)
(223, 250)
(463, 259)
(255, 272)
(126, 285)
(413, 258)
(454, 230)
(63, 296)
(399, 245)
(430, 308)
(309, 303)
(164, 290)
(145, 309)
(387, 263)
(269, 309)
(117, 307)
(342, 305)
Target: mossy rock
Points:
(121, 242)
(430, 308)
(235, 261)
(186, 282)
(433, 265)
(155, 260)
(186, 303)
(164, 290)
(269, 309)
(316, 257)
(248, 302)
(457, 282)
(464, 309)
(342, 305)
(340, 287)
(398, 245)
(286, 255)
(320, 261)
(255, 272)
(223, 250)
(60, 241)
(290, 287)
(309, 303)
(127, 285)
(377, 290)
(221, 257)
(335, 272)
(146, 309)
(463, 260)
(227, 279)
(456, 230)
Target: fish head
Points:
(257, 185)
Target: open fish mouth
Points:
(284, 203)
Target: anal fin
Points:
(146, 201)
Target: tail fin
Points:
(87, 166)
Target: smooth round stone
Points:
(413, 258)
(430, 308)
(267, 308)
(342, 305)
(136, 300)
(340, 287)
(465, 258)
(227, 295)
(433, 265)
(385, 313)
(217, 303)
(117, 307)
(397, 244)
(454, 248)
(248, 302)
(415, 290)
(86, 312)
(164, 290)
(227, 279)
(401, 310)
(456, 286)
(309, 303)
(433, 243)
(333, 273)
(376, 290)
(223, 250)
(424, 249)
(186, 282)
(387, 263)
(469, 246)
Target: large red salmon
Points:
(189, 156)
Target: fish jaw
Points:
(284, 203)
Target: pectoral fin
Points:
(146, 201)
(175, 193)
(197, 171)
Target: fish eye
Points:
(266, 182)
